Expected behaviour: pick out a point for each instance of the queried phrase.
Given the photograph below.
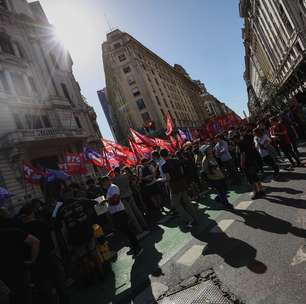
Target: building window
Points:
(140, 104)
(162, 111)
(156, 81)
(46, 121)
(66, 93)
(158, 101)
(126, 70)
(117, 45)
(136, 92)
(166, 103)
(78, 122)
(17, 121)
(19, 84)
(146, 117)
(4, 83)
(131, 80)
(6, 44)
(121, 57)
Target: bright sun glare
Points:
(74, 27)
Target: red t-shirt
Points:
(283, 138)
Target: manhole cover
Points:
(202, 293)
(204, 288)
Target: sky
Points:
(204, 36)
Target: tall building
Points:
(142, 88)
(109, 114)
(42, 111)
(274, 36)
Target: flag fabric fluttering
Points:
(140, 150)
(31, 174)
(73, 164)
(169, 125)
(94, 157)
(164, 144)
(118, 154)
(142, 139)
(55, 175)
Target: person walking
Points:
(214, 175)
(221, 150)
(121, 219)
(280, 133)
(122, 180)
(262, 142)
(174, 173)
(249, 161)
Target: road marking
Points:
(222, 226)
(300, 257)
(191, 255)
(244, 205)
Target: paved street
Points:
(257, 250)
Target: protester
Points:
(249, 161)
(262, 144)
(121, 219)
(13, 261)
(280, 133)
(214, 175)
(122, 180)
(221, 150)
(174, 172)
(149, 185)
(48, 272)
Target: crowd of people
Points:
(48, 240)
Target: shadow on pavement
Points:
(286, 201)
(145, 265)
(269, 189)
(234, 252)
(263, 221)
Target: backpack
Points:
(78, 224)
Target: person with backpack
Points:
(174, 173)
(212, 172)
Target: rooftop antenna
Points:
(108, 23)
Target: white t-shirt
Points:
(113, 190)
(261, 146)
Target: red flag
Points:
(142, 139)
(31, 174)
(169, 125)
(73, 164)
(118, 153)
(180, 140)
(164, 144)
(140, 150)
(174, 142)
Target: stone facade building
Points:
(211, 104)
(275, 41)
(42, 111)
(142, 88)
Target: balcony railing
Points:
(23, 136)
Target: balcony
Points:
(37, 135)
(58, 101)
